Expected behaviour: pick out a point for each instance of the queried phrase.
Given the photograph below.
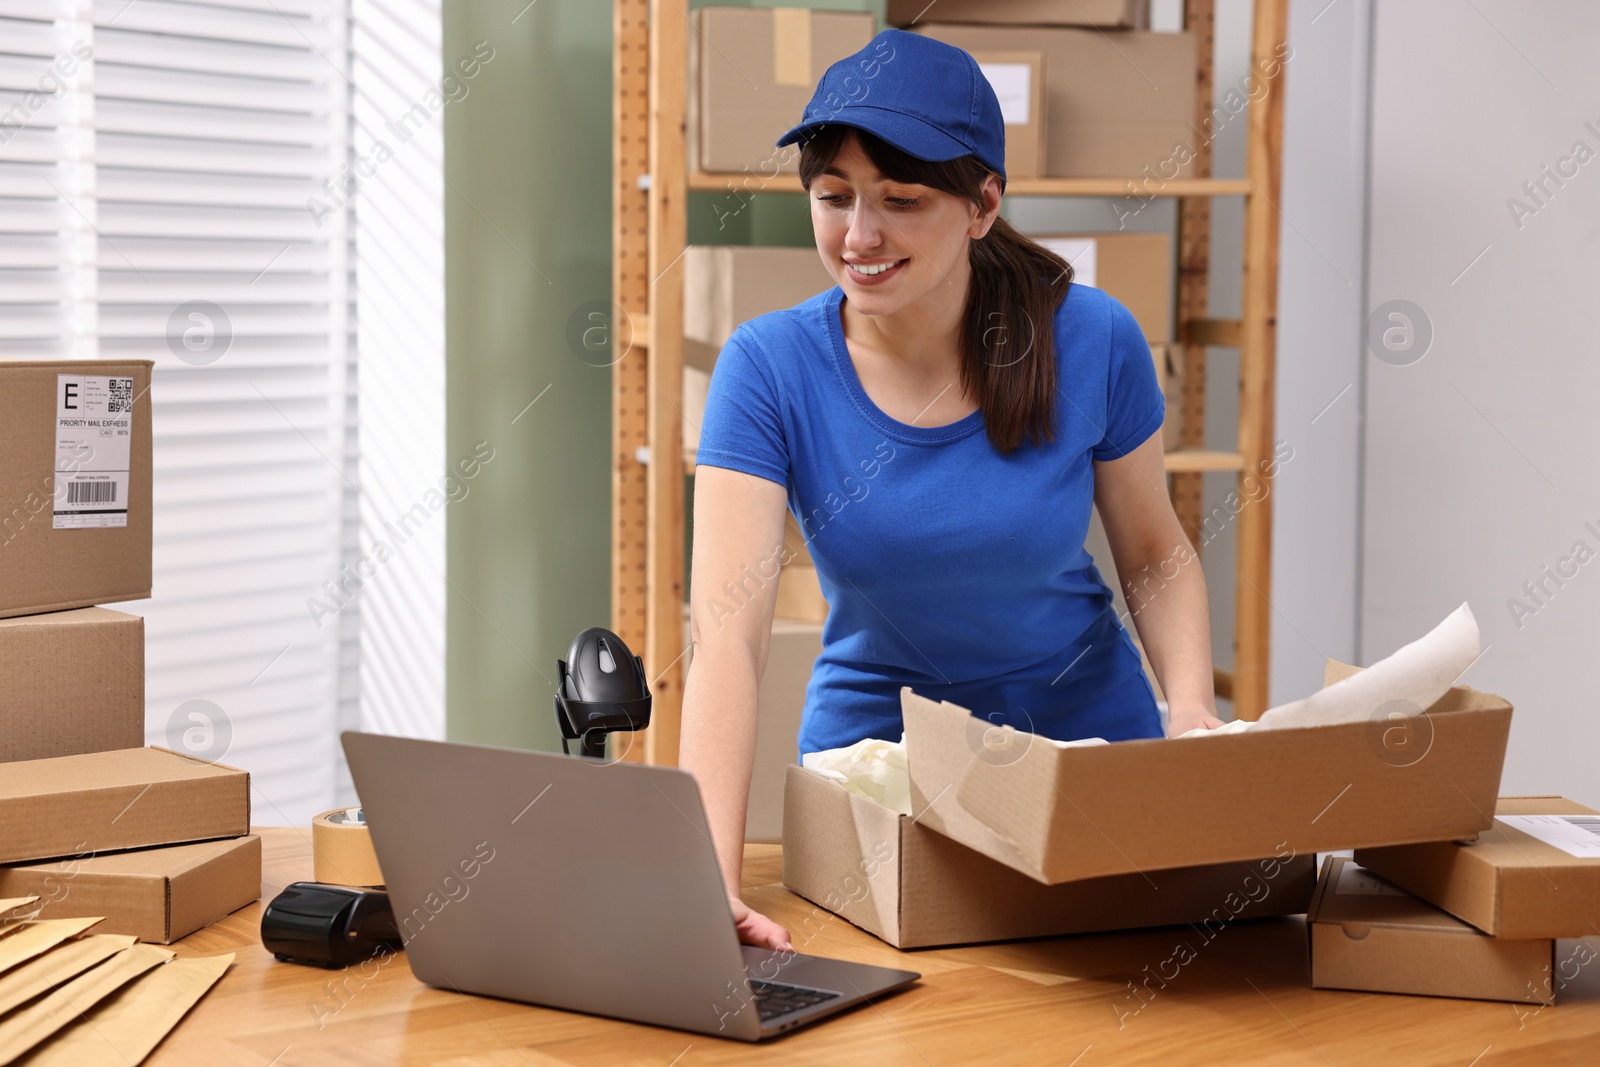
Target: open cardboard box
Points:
(893, 877)
(1060, 813)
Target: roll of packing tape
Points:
(342, 849)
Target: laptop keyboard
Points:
(774, 998)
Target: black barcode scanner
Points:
(601, 688)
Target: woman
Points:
(939, 425)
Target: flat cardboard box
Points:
(1508, 882)
(1117, 105)
(72, 682)
(751, 73)
(1136, 268)
(1018, 79)
(895, 878)
(725, 285)
(1369, 935)
(156, 894)
(1063, 813)
(1106, 14)
(127, 798)
(800, 594)
(55, 551)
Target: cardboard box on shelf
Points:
(156, 894)
(1169, 373)
(1060, 813)
(695, 384)
(914, 888)
(800, 594)
(126, 798)
(1018, 80)
(1106, 14)
(1534, 873)
(794, 543)
(1136, 268)
(1115, 104)
(725, 285)
(751, 73)
(74, 483)
(72, 682)
(1366, 934)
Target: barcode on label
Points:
(121, 398)
(91, 492)
(1590, 823)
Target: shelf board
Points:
(742, 184)
(1186, 460)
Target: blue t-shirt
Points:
(947, 566)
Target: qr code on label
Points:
(121, 395)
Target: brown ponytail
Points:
(1008, 355)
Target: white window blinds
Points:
(157, 165)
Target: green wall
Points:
(527, 242)
(527, 245)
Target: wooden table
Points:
(1244, 999)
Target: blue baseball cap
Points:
(927, 98)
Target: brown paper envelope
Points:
(11, 915)
(22, 1030)
(22, 983)
(37, 937)
(122, 1029)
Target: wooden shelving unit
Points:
(651, 183)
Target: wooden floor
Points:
(1243, 999)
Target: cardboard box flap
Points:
(1059, 813)
(996, 833)
(1335, 671)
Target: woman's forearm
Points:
(1169, 606)
(718, 743)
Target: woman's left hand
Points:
(1181, 722)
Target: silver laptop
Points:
(578, 884)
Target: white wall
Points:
(1316, 496)
(1480, 457)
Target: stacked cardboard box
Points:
(88, 815)
(1368, 934)
(1527, 880)
(1117, 101)
(751, 72)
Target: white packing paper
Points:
(1408, 682)
(873, 768)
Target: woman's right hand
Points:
(756, 929)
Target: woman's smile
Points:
(875, 273)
